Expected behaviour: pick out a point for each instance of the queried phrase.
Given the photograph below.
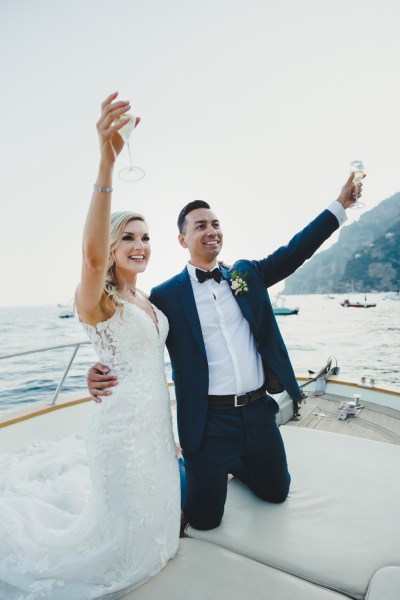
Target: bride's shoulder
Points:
(102, 313)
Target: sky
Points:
(255, 106)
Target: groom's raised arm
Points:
(287, 259)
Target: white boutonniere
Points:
(238, 283)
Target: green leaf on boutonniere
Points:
(238, 282)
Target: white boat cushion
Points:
(202, 571)
(385, 584)
(340, 523)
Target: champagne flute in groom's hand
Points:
(357, 167)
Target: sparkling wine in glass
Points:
(357, 167)
(131, 173)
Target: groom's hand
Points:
(98, 380)
(347, 196)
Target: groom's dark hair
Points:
(187, 209)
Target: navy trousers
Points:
(244, 441)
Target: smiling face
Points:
(132, 252)
(202, 236)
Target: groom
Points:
(227, 356)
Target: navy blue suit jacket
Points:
(185, 341)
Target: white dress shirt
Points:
(235, 366)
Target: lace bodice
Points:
(121, 340)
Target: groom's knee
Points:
(204, 515)
(274, 497)
(276, 494)
(205, 523)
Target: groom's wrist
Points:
(337, 209)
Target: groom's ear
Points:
(181, 240)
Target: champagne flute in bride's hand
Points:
(357, 167)
(130, 173)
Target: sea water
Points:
(363, 341)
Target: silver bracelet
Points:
(101, 188)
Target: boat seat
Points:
(202, 571)
(385, 584)
(285, 404)
(340, 523)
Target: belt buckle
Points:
(239, 405)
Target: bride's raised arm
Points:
(96, 235)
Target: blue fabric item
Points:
(182, 476)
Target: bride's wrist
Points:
(105, 174)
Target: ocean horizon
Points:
(363, 342)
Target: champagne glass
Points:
(131, 173)
(357, 167)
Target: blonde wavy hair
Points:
(118, 222)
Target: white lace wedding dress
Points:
(87, 519)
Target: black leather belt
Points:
(242, 400)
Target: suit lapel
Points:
(188, 304)
(242, 300)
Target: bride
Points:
(72, 532)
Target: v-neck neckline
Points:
(155, 322)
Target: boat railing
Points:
(75, 346)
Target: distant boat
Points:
(65, 311)
(346, 303)
(66, 315)
(329, 297)
(281, 309)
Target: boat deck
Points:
(304, 548)
(372, 422)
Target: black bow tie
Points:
(203, 275)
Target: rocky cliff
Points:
(365, 257)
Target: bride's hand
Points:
(111, 143)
